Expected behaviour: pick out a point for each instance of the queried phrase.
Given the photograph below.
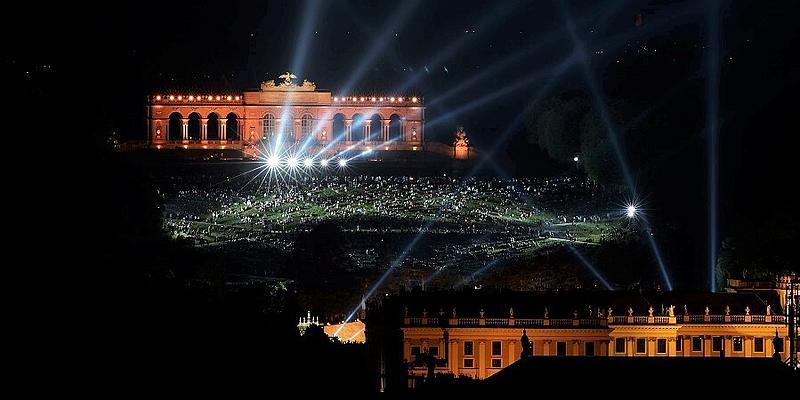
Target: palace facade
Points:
(472, 334)
(291, 114)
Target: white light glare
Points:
(576, 159)
(273, 162)
(292, 162)
(630, 211)
(342, 162)
(308, 162)
(324, 162)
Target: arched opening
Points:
(175, 126)
(212, 127)
(338, 127)
(357, 130)
(306, 128)
(375, 128)
(395, 128)
(268, 127)
(231, 127)
(194, 126)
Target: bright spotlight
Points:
(575, 159)
(308, 162)
(631, 211)
(273, 162)
(342, 162)
(324, 162)
(292, 162)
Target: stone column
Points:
(297, 130)
(204, 129)
(368, 131)
(453, 361)
(348, 130)
(546, 348)
(222, 131)
(512, 352)
(385, 130)
(482, 359)
(185, 129)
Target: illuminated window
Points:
(716, 343)
(497, 363)
(738, 344)
(589, 349)
(468, 348)
(497, 348)
(641, 346)
(619, 345)
(697, 343)
(469, 363)
(758, 345)
(306, 125)
(561, 348)
(268, 125)
(661, 346)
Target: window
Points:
(415, 351)
(468, 348)
(589, 349)
(497, 363)
(306, 125)
(716, 343)
(268, 126)
(697, 343)
(497, 348)
(779, 345)
(641, 346)
(758, 345)
(619, 345)
(661, 346)
(738, 345)
(287, 128)
(434, 351)
(469, 363)
(679, 343)
(561, 348)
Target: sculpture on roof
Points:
(460, 138)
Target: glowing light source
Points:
(335, 99)
(576, 159)
(180, 97)
(191, 98)
(413, 99)
(324, 162)
(273, 162)
(172, 97)
(217, 97)
(391, 99)
(308, 162)
(292, 162)
(237, 97)
(374, 99)
(158, 97)
(229, 98)
(342, 162)
(362, 99)
(381, 99)
(631, 211)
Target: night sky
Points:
(478, 64)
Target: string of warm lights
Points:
(196, 98)
(373, 99)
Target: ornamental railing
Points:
(596, 322)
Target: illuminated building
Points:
(478, 334)
(297, 114)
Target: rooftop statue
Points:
(461, 139)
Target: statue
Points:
(630, 311)
(511, 312)
(287, 79)
(769, 310)
(454, 312)
(650, 311)
(424, 313)
(324, 133)
(707, 310)
(609, 312)
(747, 310)
(405, 311)
(575, 314)
(685, 310)
(727, 310)
(481, 312)
(268, 84)
(671, 310)
(461, 139)
(308, 85)
(545, 313)
(526, 345)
